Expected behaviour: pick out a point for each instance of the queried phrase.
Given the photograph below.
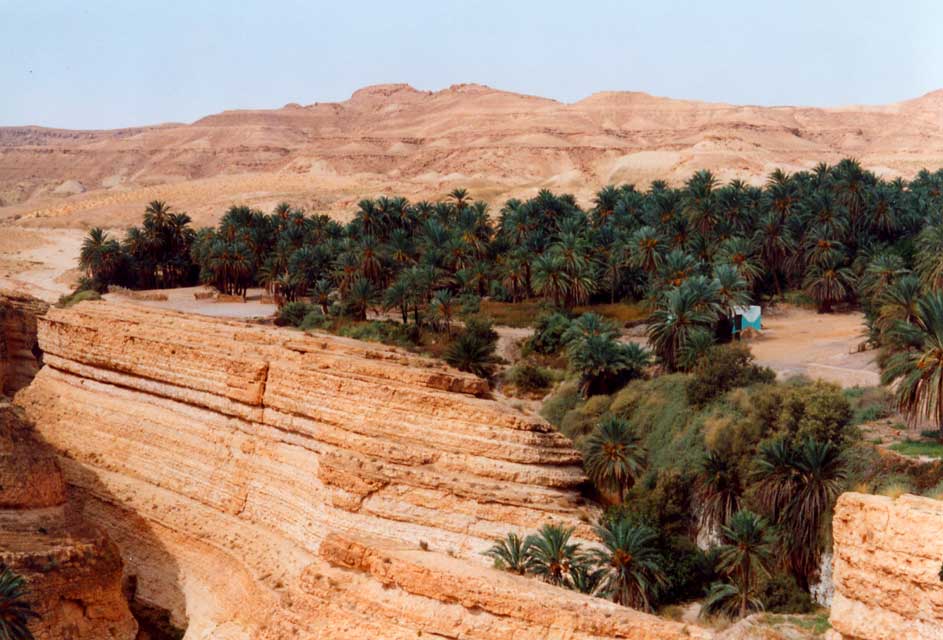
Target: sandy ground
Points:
(183, 300)
(41, 262)
(797, 341)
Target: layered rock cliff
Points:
(73, 572)
(887, 572)
(261, 483)
(20, 358)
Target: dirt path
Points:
(41, 262)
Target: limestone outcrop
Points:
(887, 571)
(19, 355)
(262, 483)
(73, 572)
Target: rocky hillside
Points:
(393, 138)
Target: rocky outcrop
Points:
(887, 571)
(262, 483)
(73, 572)
(20, 357)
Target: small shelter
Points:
(747, 318)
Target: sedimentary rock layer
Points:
(887, 571)
(73, 571)
(262, 483)
(19, 358)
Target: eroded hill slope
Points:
(395, 139)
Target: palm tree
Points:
(739, 253)
(717, 492)
(157, 214)
(321, 292)
(776, 245)
(747, 550)
(605, 364)
(443, 306)
(15, 611)
(646, 250)
(797, 487)
(673, 323)
(916, 365)
(511, 553)
(460, 198)
(361, 296)
(629, 554)
(929, 258)
(613, 456)
(828, 283)
(585, 577)
(399, 295)
(551, 279)
(731, 288)
(552, 554)
(470, 352)
(100, 255)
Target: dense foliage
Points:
(15, 611)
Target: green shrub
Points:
(782, 594)
(556, 406)
(293, 313)
(724, 368)
(79, 296)
(869, 404)
(530, 378)
(581, 419)
(314, 320)
(896, 485)
(473, 349)
(392, 333)
(803, 410)
(548, 333)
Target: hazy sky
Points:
(98, 63)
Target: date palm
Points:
(551, 279)
(633, 565)
(511, 553)
(717, 491)
(916, 364)
(797, 486)
(15, 611)
(746, 552)
(613, 456)
(552, 554)
(829, 283)
(678, 316)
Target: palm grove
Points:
(835, 237)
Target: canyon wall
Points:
(19, 355)
(263, 483)
(887, 571)
(73, 572)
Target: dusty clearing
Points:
(41, 262)
(182, 299)
(798, 341)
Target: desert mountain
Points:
(396, 139)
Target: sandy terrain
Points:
(41, 262)
(797, 341)
(183, 300)
(396, 139)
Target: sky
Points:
(109, 64)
